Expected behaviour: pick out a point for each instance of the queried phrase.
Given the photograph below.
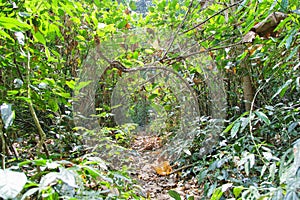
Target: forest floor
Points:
(156, 176)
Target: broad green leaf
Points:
(81, 85)
(11, 183)
(152, 96)
(237, 191)
(281, 91)
(39, 37)
(5, 35)
(174, 194)
(12, 23)
(235, 129)
(262, 117)
(229, 127)
(12, 92)
(122, 24)
(282, 23)
(217, 194)
(132, 5)
(40, 162)
(93, 172)
(190, 197)
(71, 84)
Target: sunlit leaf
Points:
(217, 194)
(10, 23)
(132, 5)
(281, 91)
(11, 183)
(237, 191)
(235, 129)
(7, 114)
(39, 37)
(68, 177)
(262, 117)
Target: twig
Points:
(183, 167)
(207, 19)
(177, 31)
(203, 51)
(41, 132)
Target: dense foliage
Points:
(253, 44)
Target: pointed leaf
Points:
(262, 117)
(281, 91)
(235, 129)
(174, 194)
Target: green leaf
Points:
(132, 5)
(217, 194)
(174, 194)
(39, 37)
(281, 91)
(71, 84)
(152, 96)
(11, 183)
(237, 191)
(5, 35)
(12, 23)
(235, 129)
(191, 198)
(149, 51)
(262, 117)
(290, 38)
(295, 51)
(122, 24)
(284, 5)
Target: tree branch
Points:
(177, 31)
(41, 132)
(207, 19)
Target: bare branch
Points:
(212, 49)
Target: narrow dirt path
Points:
(155, 174)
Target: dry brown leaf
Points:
(163, 168)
